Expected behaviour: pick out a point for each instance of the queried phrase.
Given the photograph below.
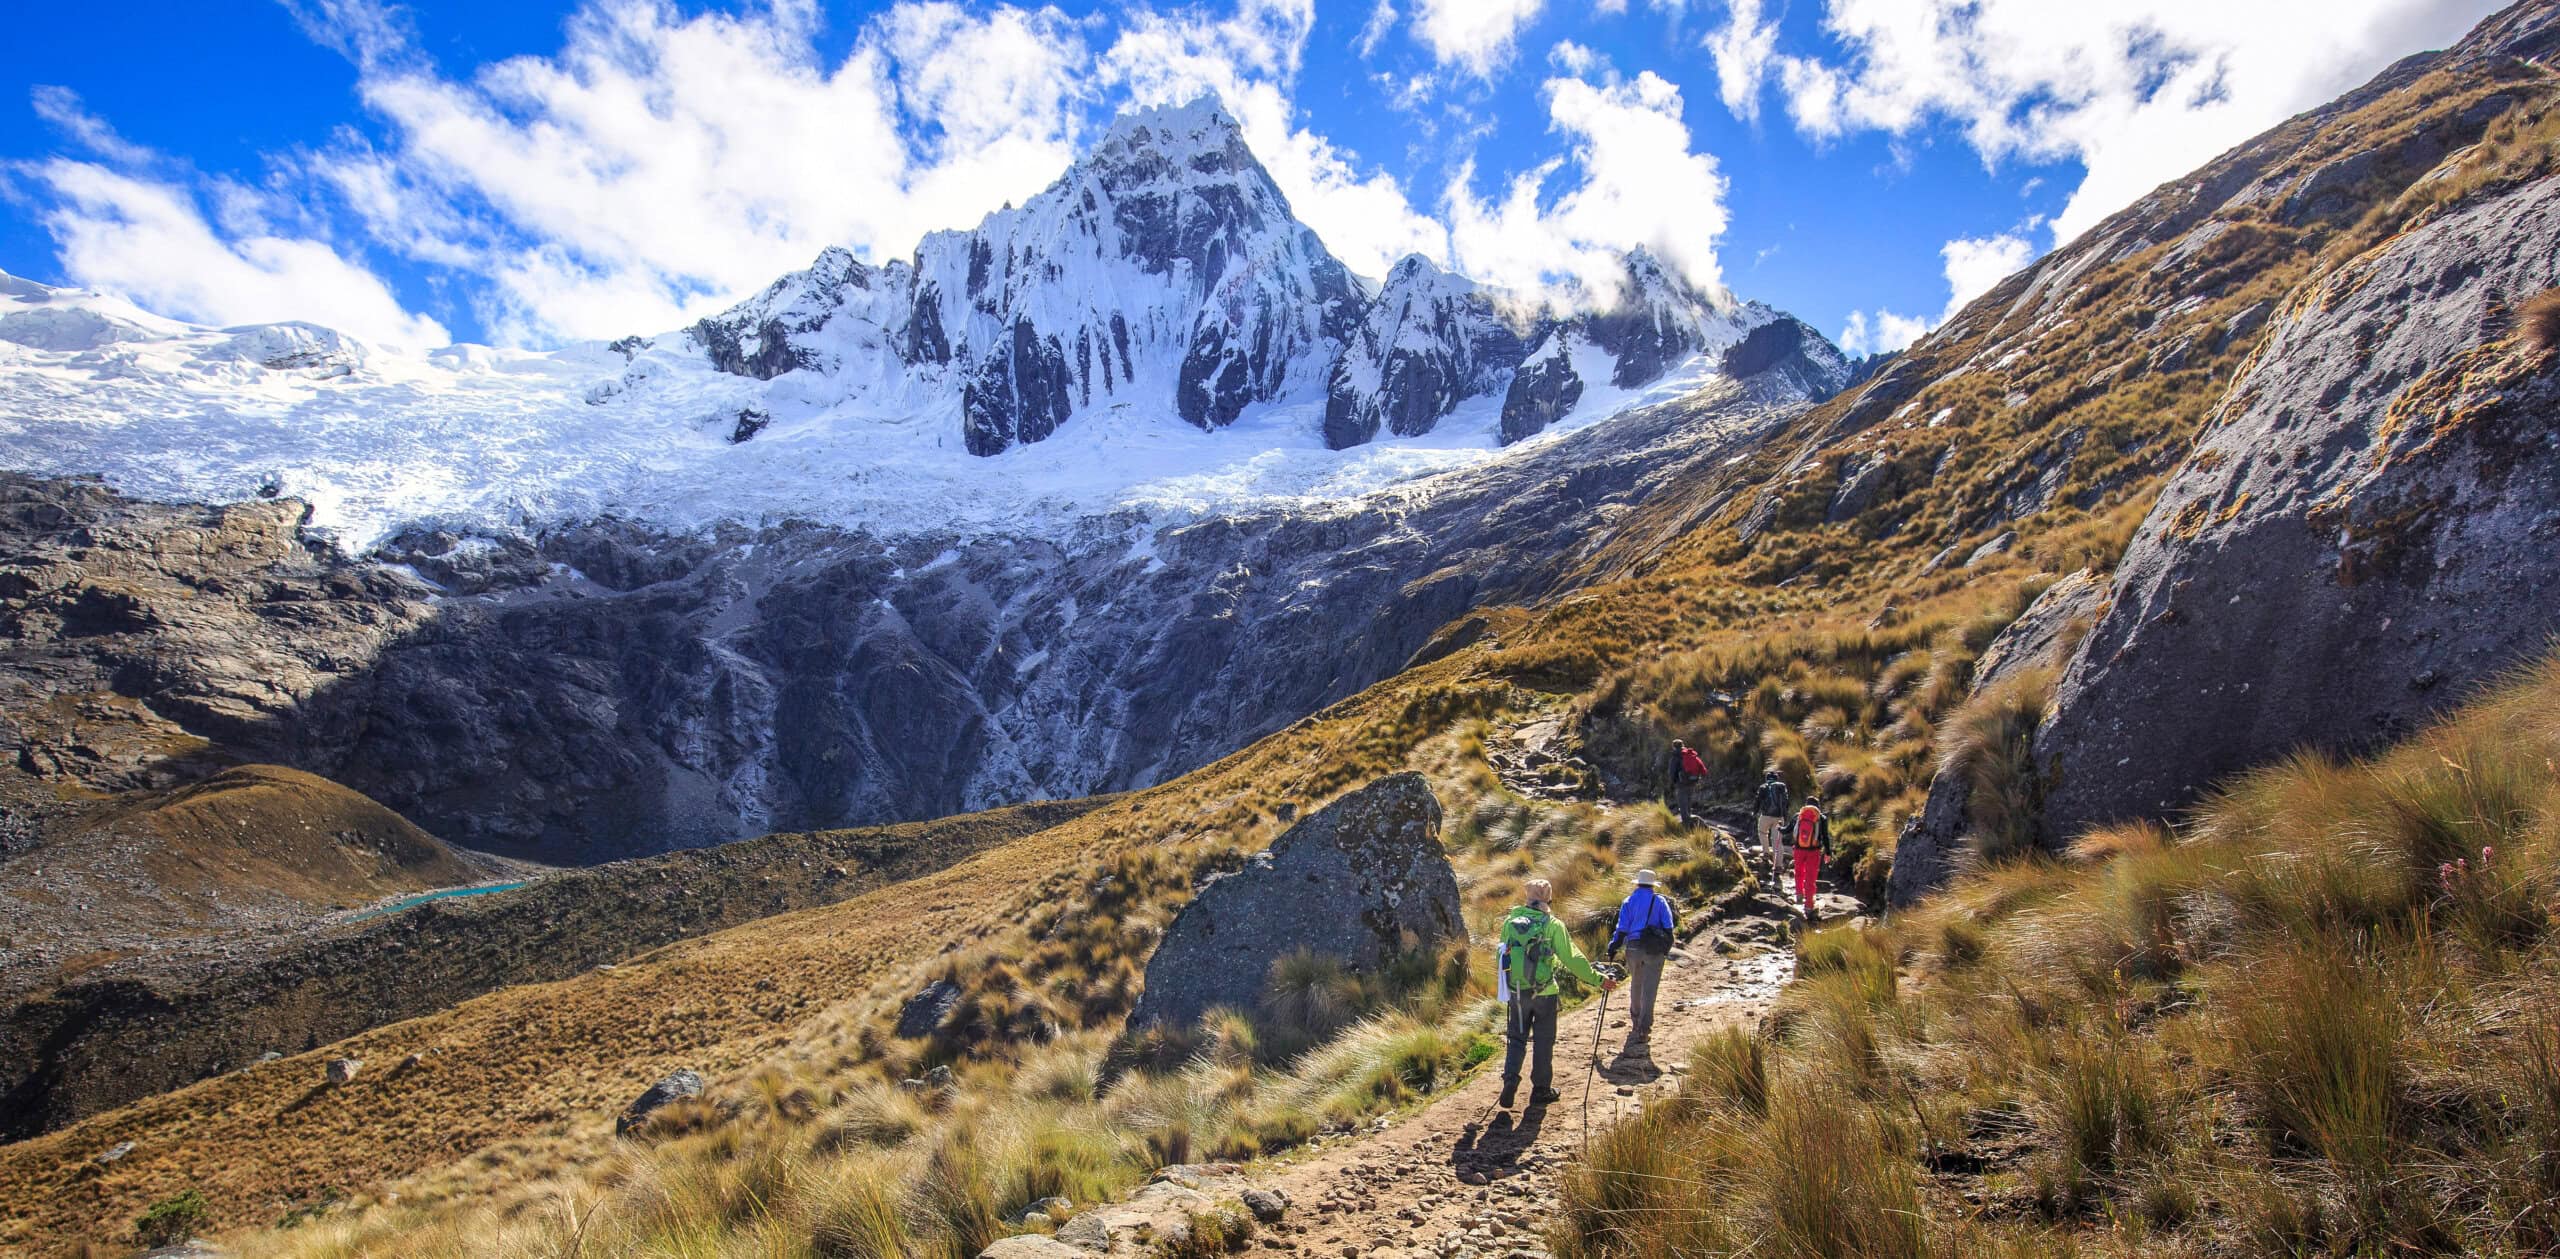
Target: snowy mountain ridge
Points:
(1021, 376)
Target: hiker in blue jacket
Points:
(1645, 926)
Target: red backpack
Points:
(1809, 827)
(1691, 765)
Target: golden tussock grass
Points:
(2323, 1017)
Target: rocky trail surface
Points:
(1465, 1177)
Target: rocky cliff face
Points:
(1428, 341)
(2342, 548)
(2369, 533)
(1163, 269)
(607, 690)
(1166, 270)
(134, 637)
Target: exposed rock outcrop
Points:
(2365, 535)
(680, 1085)
(1363, 880)
(1152, 1221)
(1544, 389)
(606, 690)
(1427, 341)
(1932, 843)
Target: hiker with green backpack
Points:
(1534, 947)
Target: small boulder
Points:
(1361, 880)
(925, 1011)
(113, 1154)
(1267, 1205)
(1045, 1211)
(682, 1084)
(342, 1071)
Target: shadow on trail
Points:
(1634, 1066)
(1491, 1146)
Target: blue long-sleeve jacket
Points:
(1645, 908)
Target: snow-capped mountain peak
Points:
(1152, 331)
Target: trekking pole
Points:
(1591, 1069)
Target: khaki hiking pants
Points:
(1773, 841)
(1644, 978)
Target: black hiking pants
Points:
(1533, 1022)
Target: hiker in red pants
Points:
(1813, 844)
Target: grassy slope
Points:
(2323, 1018)
(545, 1066)
(1685, 594)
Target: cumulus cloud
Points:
(1634, 180)
(1881, 333)
(2137, 92)
(665, 160)
(1478, 35)
(1743, 50)
(1972, 266)
(659, 163)
(152, 243)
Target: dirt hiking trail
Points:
(1464, 1178)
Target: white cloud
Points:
(1974, 264)
(660, 163)
(1639, 184)
(61, 107)
(666, 160)
(2139, 92)
(1579, 60)
(150, 242)
(1475, 34)
(1743, 50)
(1382, 19)
(1882, 333)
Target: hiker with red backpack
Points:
(1688, 769)
(1812, 845)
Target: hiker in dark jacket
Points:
(1646, 925)
(1772, 805)
(1687, 770)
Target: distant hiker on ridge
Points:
(1772, 806)
(1687, 771)
(1534, 942)
(1813, 843)
(1646, 925)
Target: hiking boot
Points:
(1509, 1087)
(1543, 1096)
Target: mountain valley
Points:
(839, 701)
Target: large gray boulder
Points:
(2369, 531)
(1926, 854)
(1362, 880)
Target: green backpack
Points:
(1527, 954)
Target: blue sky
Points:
(530, 173)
